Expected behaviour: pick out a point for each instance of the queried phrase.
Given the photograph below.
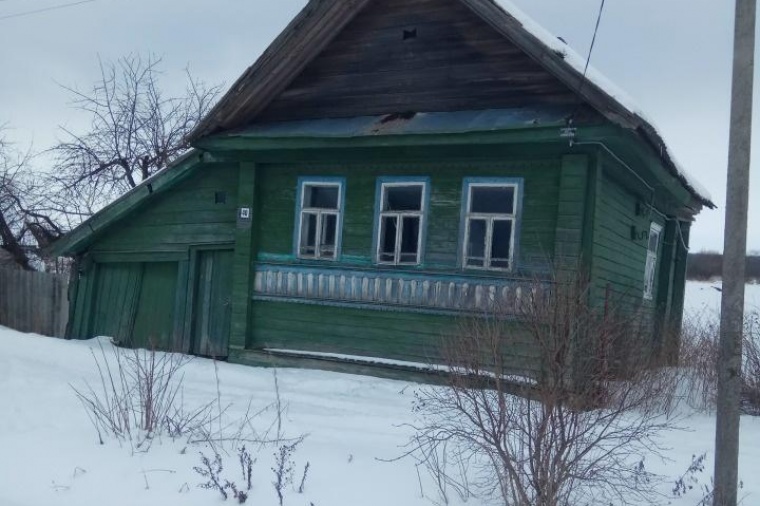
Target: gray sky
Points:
(672, 56)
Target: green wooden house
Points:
(384, 168)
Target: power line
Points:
(45, 9)
(584, 79)
(593, 39)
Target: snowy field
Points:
(354, 425)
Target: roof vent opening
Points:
(410, 34)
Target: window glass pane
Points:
(410, 236)
(492, 199)
(329, 235)
(476, 243)
(403, 198)
(321, 197)
(501, 239)
(388, 238)
(654, 238)
(308, 234)
(649, 275)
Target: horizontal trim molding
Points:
(391, 291)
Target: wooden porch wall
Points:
(34, 302)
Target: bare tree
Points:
(15, 230)
(135, 131)
(576, 431)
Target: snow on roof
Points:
(597, 78)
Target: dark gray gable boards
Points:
(420, 56)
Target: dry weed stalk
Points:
(698, 359)
(139, 396)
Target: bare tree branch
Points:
(135, 131)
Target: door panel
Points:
(155, 311)
(116, 294)
(212, 307)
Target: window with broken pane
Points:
(400, 223)
(650, 268)
(490, 217)
(319, 220)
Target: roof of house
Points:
(321, 20)
(309, 33)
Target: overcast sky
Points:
(672, 56)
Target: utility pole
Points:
(734, 258)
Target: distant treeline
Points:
(703, 266)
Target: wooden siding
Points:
(381, 327)
(618, 259)
(276, 193)
(154, 317)
(34, 301)
(571, 212)
(362, 332)
(416, 55)
(187, 215)
(113, 301)
(132, 302)
(243, 258)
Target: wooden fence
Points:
(34, 301)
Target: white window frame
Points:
(650, 269)
(400, 215)
(490, 218)
(320, 213)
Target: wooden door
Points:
(212, 305)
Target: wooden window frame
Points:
(389, 182)
(490, 218)
(650, 267)
(301, 210)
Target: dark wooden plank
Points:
(243, 261)
(455, 62)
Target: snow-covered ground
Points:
(51, 454)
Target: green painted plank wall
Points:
(133, 302)
(405, 336)
(277, 188)
(117, 289)
(243, 258)
(186, 215)
(618, 260)
(154, 318)
(571, 211)
(400, 335)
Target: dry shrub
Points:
(698, 359)
(139, 396)
(581, 424)
(751, 365)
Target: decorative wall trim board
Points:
(446, 272)
(391, 291)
